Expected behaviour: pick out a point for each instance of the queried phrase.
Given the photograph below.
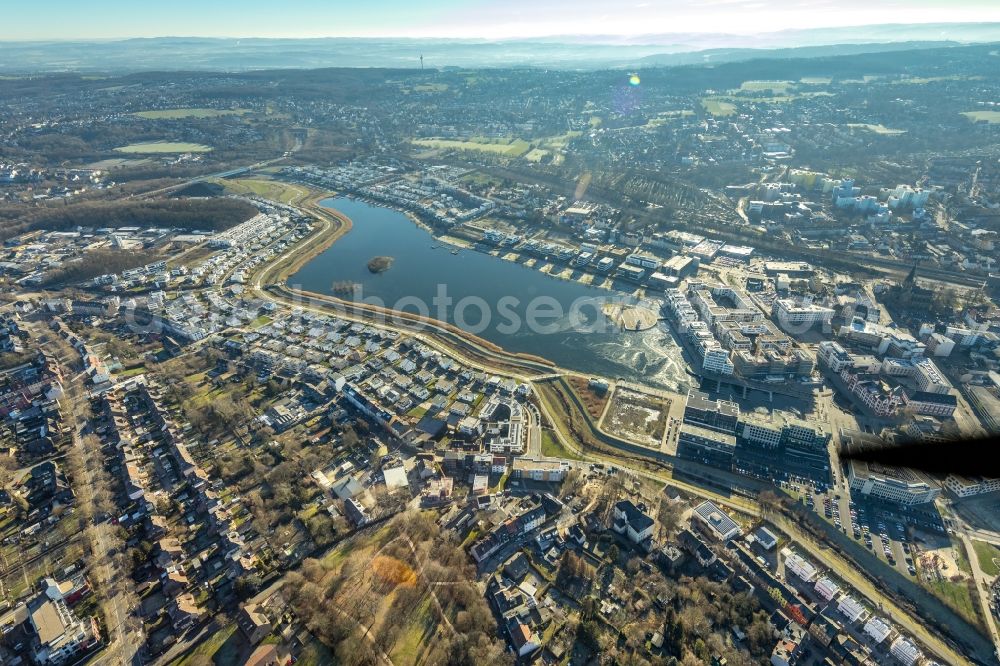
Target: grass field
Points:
(315, 653)
(558, 141)
(157, 147)
(268, 189)
(773, 86)
(533, 151)
(717, 107)
(174, 114)
(988, 556)
(207, 648)
(877, 129)
(536, 155)
(504, 147)
(431, 87)
(553, 448)
(957, 596)
(412, 645)
(991, 117)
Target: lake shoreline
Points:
(425, 264)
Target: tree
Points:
(947, 299)
(588, 633)
(668, 515)
(572, 483)
(587, 608)
(613, 553)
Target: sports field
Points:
(717, 107)
(174, 114)
(164, 147)
(505, 147)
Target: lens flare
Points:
(633, 79)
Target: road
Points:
(982, 590)
(124, 630)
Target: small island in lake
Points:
(379, 264)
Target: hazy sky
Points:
(73, 19)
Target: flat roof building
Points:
(850, 608)
(877, 629)
(894, 484)
(715, 521)
(799, 566)
(721, 415)
(706, 446)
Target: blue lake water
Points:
(526, 310)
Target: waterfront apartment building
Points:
(722, 303)
(791, 312)
(833, 356)
(716, 359)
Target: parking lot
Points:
(895, 534)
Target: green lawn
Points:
(268, 189)
(988, 556)
(173, 114)
(156, 147)
(717, 107)
(957, 596)
(773, 86)
(209, 646)
(553, 448)
(415, 639)
(315, 653)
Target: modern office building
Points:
(709, 447)
(721, 415)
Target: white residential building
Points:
(850, 608)
(877, 629)
(826, 588)
(905, 651)
(789, 311)
(832, 355)
(799, 566)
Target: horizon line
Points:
(513, 37)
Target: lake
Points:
(516, 307)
